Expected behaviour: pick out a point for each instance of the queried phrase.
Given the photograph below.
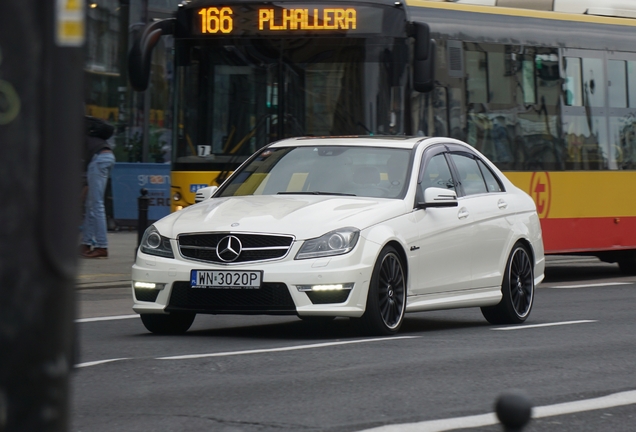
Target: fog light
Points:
(325, 287)
(148, 285)
(177, 208)
(176, 196)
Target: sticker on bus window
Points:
(204, 150)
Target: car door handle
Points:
(502, 204)
(463, 213)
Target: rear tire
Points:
(517, 290)
(174, 323)
(386, 300)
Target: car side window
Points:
(437, 174)
(470, 175)
(492, 184)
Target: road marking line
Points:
(609, 401)
(523, 327)
(106, 318)
(98, 362)
(604, 402)
(588, 285)
(290, 348)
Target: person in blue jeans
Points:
(99, 160)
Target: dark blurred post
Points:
(143, 201)
(41, 132)
(122, 120)
(145, 147)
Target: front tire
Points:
(517, 290)
(386, 300)
(174, 323)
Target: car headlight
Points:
(154, 243)
(336, 242)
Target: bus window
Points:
(594, 82)
(631, 83)
(617, 82)
(573, 83)
(430, 111)
(585, 123)
(622, 122)
(500, 74)
(476, 76)
(528, 80)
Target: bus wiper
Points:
(315, 193)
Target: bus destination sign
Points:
(265, 19)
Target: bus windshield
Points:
(234, 96)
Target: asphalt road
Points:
(444, 369)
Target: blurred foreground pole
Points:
(143, 202)
(41, 134)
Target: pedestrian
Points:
(98, 164)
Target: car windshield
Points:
(376, 172)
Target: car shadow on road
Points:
(339, 328)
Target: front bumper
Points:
(278, 295)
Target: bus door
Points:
(621, 93)
(584, 108)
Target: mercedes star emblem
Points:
(229, 248)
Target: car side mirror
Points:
(438, 197)
(204, 193)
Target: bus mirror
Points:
(140, 54)
(424, 71)
(422, 35)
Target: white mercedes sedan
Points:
(368, 228)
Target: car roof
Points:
(404, 142)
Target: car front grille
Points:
(270, 299)
(253, 247)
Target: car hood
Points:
(305, 216)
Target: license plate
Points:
(222, 279)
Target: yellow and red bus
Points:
(549, 96)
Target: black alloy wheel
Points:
(386, 300)
(517, 290)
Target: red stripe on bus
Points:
(570, 235)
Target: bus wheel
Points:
(627, 262)
(386, 300)
(174, 323)
(517, 290)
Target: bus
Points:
(548, 96)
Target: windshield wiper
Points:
(315, 193)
